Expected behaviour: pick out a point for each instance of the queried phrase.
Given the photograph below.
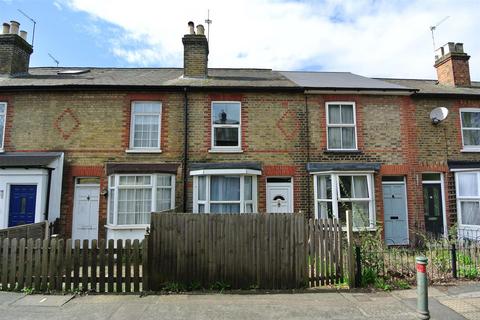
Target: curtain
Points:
(348, 138)
(164, 199)
(470, 212)
(467, 184)
(347, 114)
(225, 188)
(324, 187)
(360, 187)
(361, 217)
(335, 138)
(334, 114)
(248, 188)
(134, 206)
(146, 133)
(225, 208)
(202, 188)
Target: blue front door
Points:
(22, 205)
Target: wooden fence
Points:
(59, 265)
(37, 230)
(244, 250)
(326, 257)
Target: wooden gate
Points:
(244, 251)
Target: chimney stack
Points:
(15, 51)
(452, 65)
(195, 52)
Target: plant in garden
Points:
(220, 286)
(174, 287)
(28, 290)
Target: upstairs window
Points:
(145, 125)
(341, 129)
(3, 116)
(470, 121)
(226, 126)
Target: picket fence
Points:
(59, 265)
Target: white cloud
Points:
(370, 37)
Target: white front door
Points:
(85, 212)
(279, 195)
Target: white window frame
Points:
(336, 198)
(468, 148)
(336, 125)
(466, 198)
(207, 202)
(226, 149)
(113, 189)
(132, 148)
(2, 146)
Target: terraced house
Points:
(99, 149)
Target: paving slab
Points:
(7, 298)
(40, 300)
(437, 310)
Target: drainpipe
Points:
(49, 186)
(185, 147)
(307, 132)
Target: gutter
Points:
(393, 92)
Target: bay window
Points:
(335, 193)
(468, 198)
(132, 198)
(341, 126)
(225, 194)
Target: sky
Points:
(375, 38)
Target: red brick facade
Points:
(281, 131)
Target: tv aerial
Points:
(34, 24)
(439, 114)
(433, 28)
(54, 59)
(208, 21)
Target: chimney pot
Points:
(452, 65)
(200, 30)
(6, 28)
(191, 27)
(459, 47)
(195, 53)
(23, 34)
(14, 27)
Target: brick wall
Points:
(93, 128)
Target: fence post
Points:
(351, 259)
(145, 263)
(358, 276)
(454, 260)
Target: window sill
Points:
(470, 150)
(339, 151)
(235, 150)
(2, 150)
(127, 227)
(143, 151)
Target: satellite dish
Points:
(439, 114)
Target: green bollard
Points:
(422, 288)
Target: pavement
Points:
(460, 301)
